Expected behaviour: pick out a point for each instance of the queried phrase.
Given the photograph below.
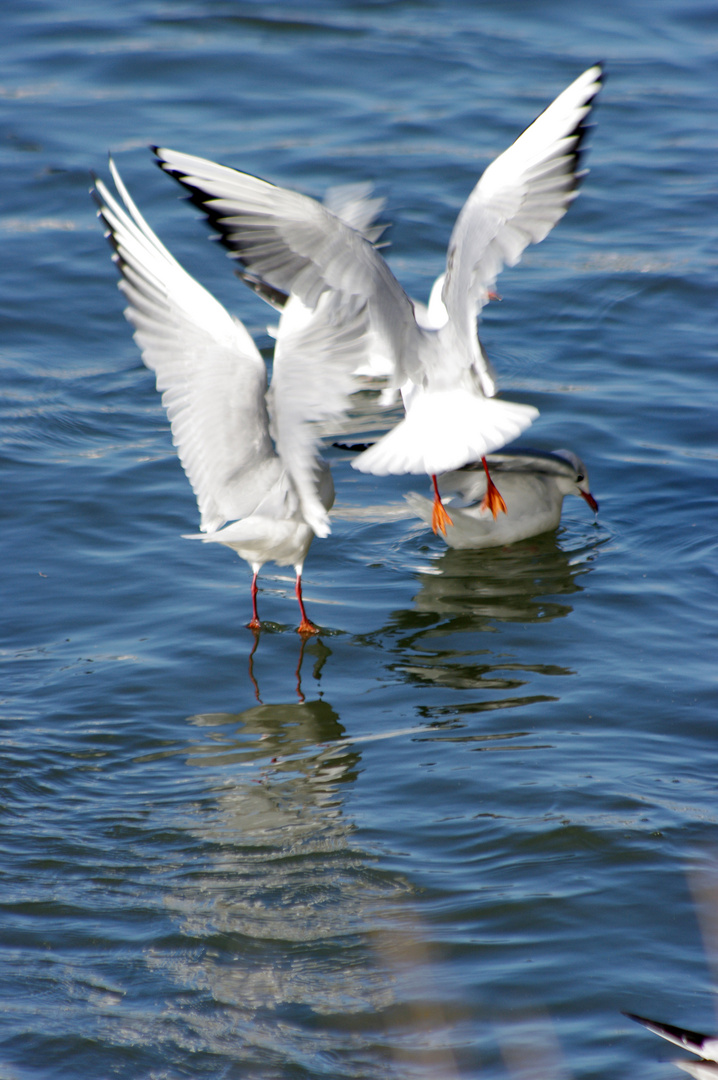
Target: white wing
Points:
(519, 198)
(297, 245)
(315, 356)
(209, 371)
(356, 206)
(701, 1070)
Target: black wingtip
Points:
(164, 167)
(97, 198)
(584, 128)
(690, 1040)
(357, 448)
(159, 160)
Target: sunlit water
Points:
(461, 830)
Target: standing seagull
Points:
(705, 1046)
(298, 246)
(265, 501)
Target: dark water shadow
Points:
(471, 590)
(466, 629)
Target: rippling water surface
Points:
(461, 830)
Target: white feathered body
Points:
(276, 530)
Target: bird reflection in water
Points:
(451, 636)
(296, 938)
(504, 584)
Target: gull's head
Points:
(575, 482)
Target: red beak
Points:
(590, 500)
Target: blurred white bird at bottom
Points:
(705, 1046)
(251, 455)
(533, 484)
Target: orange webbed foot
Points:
(439, 516)
(493, 499)
(306, 626)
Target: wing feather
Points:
(316, 354)
(520, 196)
(298, 246)
(211, 376)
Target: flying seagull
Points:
(298, 246)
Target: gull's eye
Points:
(579, 478)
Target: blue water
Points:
(459, 832)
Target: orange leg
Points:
(492, 499)
(255, 624)
(305, 626)
(439, 517)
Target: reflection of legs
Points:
(492, 499)
(439, 517)
(251, 667)
(318, 649)
(298, 672)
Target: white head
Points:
(577, 484)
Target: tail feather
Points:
(443, 430)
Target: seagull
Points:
(251, 455)
(298, 246)
(705, 1046)
(533, 484)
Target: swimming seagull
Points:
(265, 500)
(300, 247)
(533, 484)
(705, 1046)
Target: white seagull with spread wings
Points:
(250, 455)
(296, 245)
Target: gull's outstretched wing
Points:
(316, 354)
(706, 1046)
(354, 205)
(298, 246)
(518, 200)
(211, 375)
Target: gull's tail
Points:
(443, 430)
